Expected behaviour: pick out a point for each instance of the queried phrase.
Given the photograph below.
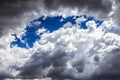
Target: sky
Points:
(50, 24)
(60, 39)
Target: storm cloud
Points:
(12, 13)
(110, 67)
(68, 53)
(103, 5)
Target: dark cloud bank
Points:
(40, 67)
(37, 66)
(11, 10)
(103, 5)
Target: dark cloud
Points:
(37, 64)
(51, 65)
(11, 12)
(4, 75)
(103, 5)
(109, 68)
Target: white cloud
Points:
(39, 31)
(11, 58)
(79, 20)
(72, 49)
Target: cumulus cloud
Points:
(71, 53)
(11, 59)
(68, 53)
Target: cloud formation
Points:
(72, 53)
(16, 12)
(103, 5)
(68, 53)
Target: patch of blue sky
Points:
(50, 23)
(83, 23)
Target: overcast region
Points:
(19, 9)
(82, 48)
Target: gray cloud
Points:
(11, 12)
(109, 68)
(42, 65)
(45, 66)
(116, 12)
(103, 5)
(5, 75)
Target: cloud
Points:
(99, 9)
(109, 67)
(71, 53)
(11, 59)
(16, 13)
(105, 6)
(68, 53)
(116, 12)
(21, 12)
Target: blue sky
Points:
(50, 23)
